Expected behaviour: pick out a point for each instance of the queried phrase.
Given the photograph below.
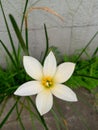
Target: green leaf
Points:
(86, 46)
(24, 14)
(9, 54)
(8, 114)
(18, 34)
(9, 34)
(47, 42)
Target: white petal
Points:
(29, 88)
(44, 101)
(64, 72)
(63, 92)
(49, 68)
(32, 67)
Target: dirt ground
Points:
(81, 115)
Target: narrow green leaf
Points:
(95, 52)
(31, 116)
(32, 112)
(26, 33)
(47, 42)
(86, 76)
(9, 54)
(21, 28)
(18, 34)
(24, 14)
(56, 119)
(9, 34)
(26, 29)
(19, 118)
(58, 110)
(86, 46)
(41, 117)
(8, 114)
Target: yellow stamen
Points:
(47, 82)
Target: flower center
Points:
(47, 82)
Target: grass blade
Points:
(56, 119)
(26, 33)
(24, 14)
(95, 52)
(26, 25)
(86, 76)
(19, 118)
(86, 46)
(18, 34)
(47, 42)
(9, 54)
(9, 34)
(8, 114)
(31, 116)
(41, 117)
(21, 27)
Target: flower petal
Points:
(29, 88)
(63, 92)
(64, 72)
(33, 67)
(49, 68)
(44, 101)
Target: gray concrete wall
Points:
(79, 25)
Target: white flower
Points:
(48, 81)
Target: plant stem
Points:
(95, 52)
(86, 76)
(24, 14)
(8, 114)
(47, 43)
(9, 34)
(86, 46)
(19, 118)
(41, 117)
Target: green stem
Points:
(86, 46)
(59, 111)
(27, 108)
(24, 14)
(41, 117)
(32, 113)
(47, 43)
(18, 34)
(95, 52)
(26, 34)
(86, 76)
(8, 30)
(56, 119)
(26, 26)
(8, 114)
(83, 67)
(9, 54)
(31, 116)
(19, 118)
(21, 28)
(3, 106)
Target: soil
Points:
(81, 115)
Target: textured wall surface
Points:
(79, 25)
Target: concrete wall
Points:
(79, 25)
